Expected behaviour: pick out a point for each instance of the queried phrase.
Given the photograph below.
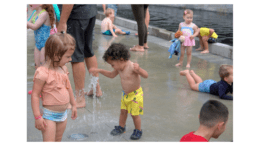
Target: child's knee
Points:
(123, 112)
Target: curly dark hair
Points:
(116, 51)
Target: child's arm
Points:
(35, 102)
(196, 32)
(110, 26)
(109, 74)
(222, 95)
(137, 69)
(179, 29)
(41, 19)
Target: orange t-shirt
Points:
(55, 89)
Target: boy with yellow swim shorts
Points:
(205, 35)
(132, 97)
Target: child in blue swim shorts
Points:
(107, 26)
(221, 88)
(132, 97)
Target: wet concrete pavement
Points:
(171, 108)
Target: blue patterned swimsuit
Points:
(41, 34)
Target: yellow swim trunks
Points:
(205, 31)
(133, 102)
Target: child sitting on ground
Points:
(132, 97)
(108, 28)
(220, 88)
(206, 35)
(213, 120)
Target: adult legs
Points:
(139, 12)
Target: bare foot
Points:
(191, 71)
(145, 46)
(204, 52)
(188, 66)
(184, 72)
(137, 48)
(199, 49)
(178, 64)
(80, 103)
(98, 92)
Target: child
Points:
(189, 30)
(220, 88)
(205, 35)
(41, 22)
(108, 28)
(52, 81)
(132, 97)
(213, 119)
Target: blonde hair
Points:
(109, 11)
(187, 11)
(57, 45)
(224, 71)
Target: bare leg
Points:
(37, 57)
(78, 69)
(189, 56)
(122, 118)
(201, 44)
(206, 45)
(42, 56)
(50, 131)
(119, 31)
(92, 62)
(137, 122)
(195, 77)
(60, 128)
(182, 56)
(190, 80)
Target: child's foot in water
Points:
(204, 52)
(199, 49)
(188, 66)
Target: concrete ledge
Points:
(215, 48)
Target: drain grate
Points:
(78, 136)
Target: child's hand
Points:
(74, 114)
(136, 67)
(40, 124)
(94, 71)
(192, 37)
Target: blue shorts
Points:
(54, 116)
(114, 7)
(205, 85)
(108, 32)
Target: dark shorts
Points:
(82, 31)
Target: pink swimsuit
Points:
(55, 89)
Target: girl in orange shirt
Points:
(52, 81)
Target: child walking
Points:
(221, 88)
(107, 26)
(206, 35)
(41, 22)
(52, 81)
(132, 97)
(190, 31)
